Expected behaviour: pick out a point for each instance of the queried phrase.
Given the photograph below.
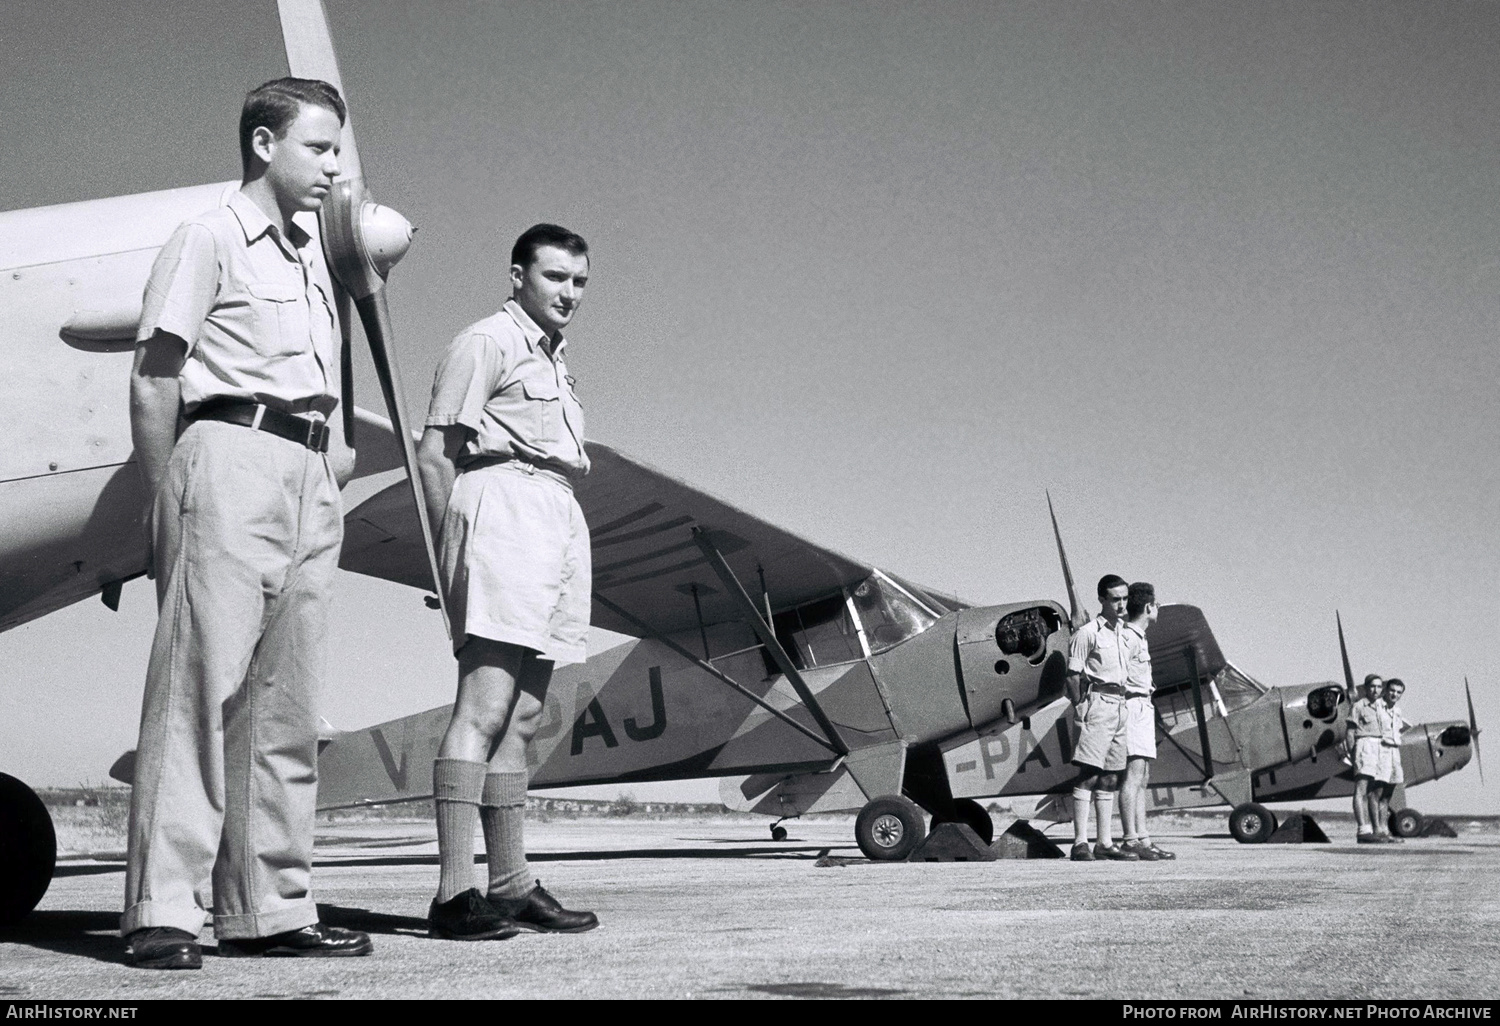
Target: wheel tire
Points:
(973, 815)
(28, 849)
(1406, 823)
(778, 832)
(1251, 823)
(889, 828)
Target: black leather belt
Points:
(311, 433)
(1101, 688)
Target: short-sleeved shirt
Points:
(1097, 650)
(498, 379)
(1364, 719)
(1392, 722)
(1137, 661)
(254, 307)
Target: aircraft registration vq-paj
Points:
(808, 680)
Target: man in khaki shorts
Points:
(1388, 772)
(1362, 741)
(1096, 683)
(503, 441)
(1140, 723)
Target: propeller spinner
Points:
(362, 241)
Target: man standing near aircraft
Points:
(1096, 684)
(504, 438)
(1140, 723)
(237, 338)
(1362, 739)
(1388, 772)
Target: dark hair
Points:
(1141, 596)
(1107, 583)
(539, 235)
(276, 104)
(1371, 678)
(1396, 681)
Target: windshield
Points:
(887, 613)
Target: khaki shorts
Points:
(1388, 766)
(1367, 757)
(1140, 727)
(1101, 733)
(516, 563)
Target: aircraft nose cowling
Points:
(1013, 658)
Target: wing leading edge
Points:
(645, 559)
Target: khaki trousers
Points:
(247, 535)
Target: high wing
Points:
(646, 560)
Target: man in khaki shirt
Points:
(503, 442)
(244, 519)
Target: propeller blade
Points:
(362, 241)
(310, 54)
(377, 322)
(1474, 729)
(1077, 616)
(1344, 652)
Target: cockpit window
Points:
(888, 614)
(817, 634)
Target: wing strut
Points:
(1208, 758)
(710, 668)
(768, 638)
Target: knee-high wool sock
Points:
(503, 813)
(457, 787)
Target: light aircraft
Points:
(835, 670)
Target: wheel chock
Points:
(1021, 840)
(1298, 828)
(952, 842)
(1436, 827)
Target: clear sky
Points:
(1222, 277)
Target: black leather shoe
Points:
(539, 912)
(315, 941)
(164, 947)
(469, 917)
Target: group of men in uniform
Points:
(1373, 747)
(237, 430)
(1109, 681)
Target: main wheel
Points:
(971, 814)
(778, 832)
(889, 828)
(1406, 823)
(1251, 823)
(28, 849)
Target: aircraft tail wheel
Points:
(1406, 823)
(28, 849)
(972, 814)
(1251, 823)
(778, 832)
(889, 828)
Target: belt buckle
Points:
(317, 435)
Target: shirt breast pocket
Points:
(542, 409)
(279, 310)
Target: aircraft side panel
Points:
(920, 680)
